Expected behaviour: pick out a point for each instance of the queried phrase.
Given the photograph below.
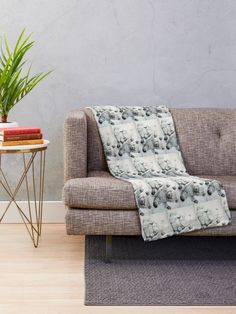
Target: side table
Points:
(32, 217)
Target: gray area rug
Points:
(173, 271)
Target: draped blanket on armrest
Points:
(140, 146)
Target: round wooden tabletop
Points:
(24, 148)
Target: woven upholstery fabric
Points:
(125, 222)
(207, 138)
(75, 145)
(96, 157)
(102, 190)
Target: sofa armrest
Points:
(75, 145)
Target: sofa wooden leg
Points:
(108, 248)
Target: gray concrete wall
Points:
(178, 52)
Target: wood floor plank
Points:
(50, 279)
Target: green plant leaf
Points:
(6, 46)
(14, 85)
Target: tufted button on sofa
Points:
(101, 204)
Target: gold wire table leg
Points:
(8, 189)
(28, 199)
(33, 225)
(42, 173)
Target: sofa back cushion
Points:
(207, 138)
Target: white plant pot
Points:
(8, 125)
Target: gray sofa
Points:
(99, 204)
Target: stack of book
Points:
(23, 135)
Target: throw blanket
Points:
(141, 147)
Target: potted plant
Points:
(15, 82)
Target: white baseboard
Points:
(53, 212)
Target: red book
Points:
(19, 130)
(20, 137)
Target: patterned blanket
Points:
(141, 147)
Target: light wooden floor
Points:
(50, 279)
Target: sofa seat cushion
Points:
(100, 190)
